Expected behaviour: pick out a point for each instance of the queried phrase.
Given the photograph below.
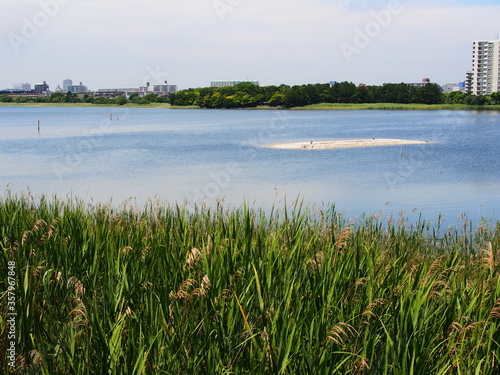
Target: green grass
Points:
(298, 290)
(395, 106)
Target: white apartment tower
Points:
(485, 67)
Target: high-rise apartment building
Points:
(485, 77)
(66, 83)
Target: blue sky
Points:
(124, 43)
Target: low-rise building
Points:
(77, 88)
(424, 82)
(114, 93)
(161, 90)
(231, 83)
(42, 89)
(451, 87)
(12, 93)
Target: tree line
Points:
(70, 97)
(248, 95)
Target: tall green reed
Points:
(297, 290)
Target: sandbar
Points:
(345, 143)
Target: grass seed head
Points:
(495, 312)
(127, 250)
(192, 257)
(36, 357)
(77, 286)
(340, 333)
(369, 311)
(488, 260)
(316, 262)
(79, 314)
(344, 236)
(362, 367)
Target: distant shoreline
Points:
(344, 143)
(312, 107)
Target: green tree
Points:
(362, 94)
(325, 93)
(133, 96)
(495, 98)
(149, 98)
(4, 98)
(343, 92)
(71, 98)
(431, 93)
(277, 99)
(472, 99)
(161, 99)
(121, 100)
(294, 97)
(396, 93)
(21, 99)
(57, 97)
(101, 100)
(42, 99)
(269, 91)
(454, 97)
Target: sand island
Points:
(345, 143)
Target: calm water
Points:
(196, 155)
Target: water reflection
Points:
(194, 156)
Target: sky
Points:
(126, 43)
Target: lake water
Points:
(204, 155)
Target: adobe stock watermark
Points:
(219, 180)
(155, 75)
(417, 158)
(409, 165)
(11, 315)
(364, 36)
(84, 149)
(224, 6)
(31, 26)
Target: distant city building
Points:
(113, 93)
(77, 88)
(485, 67)
(424, 82)
(161, 90)
(469, 77)
(22, 86)
(42, 88)
(231, 83)
(129, 89)
(165, 88)
(19, 93)
(451, 87)
(66, 83)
